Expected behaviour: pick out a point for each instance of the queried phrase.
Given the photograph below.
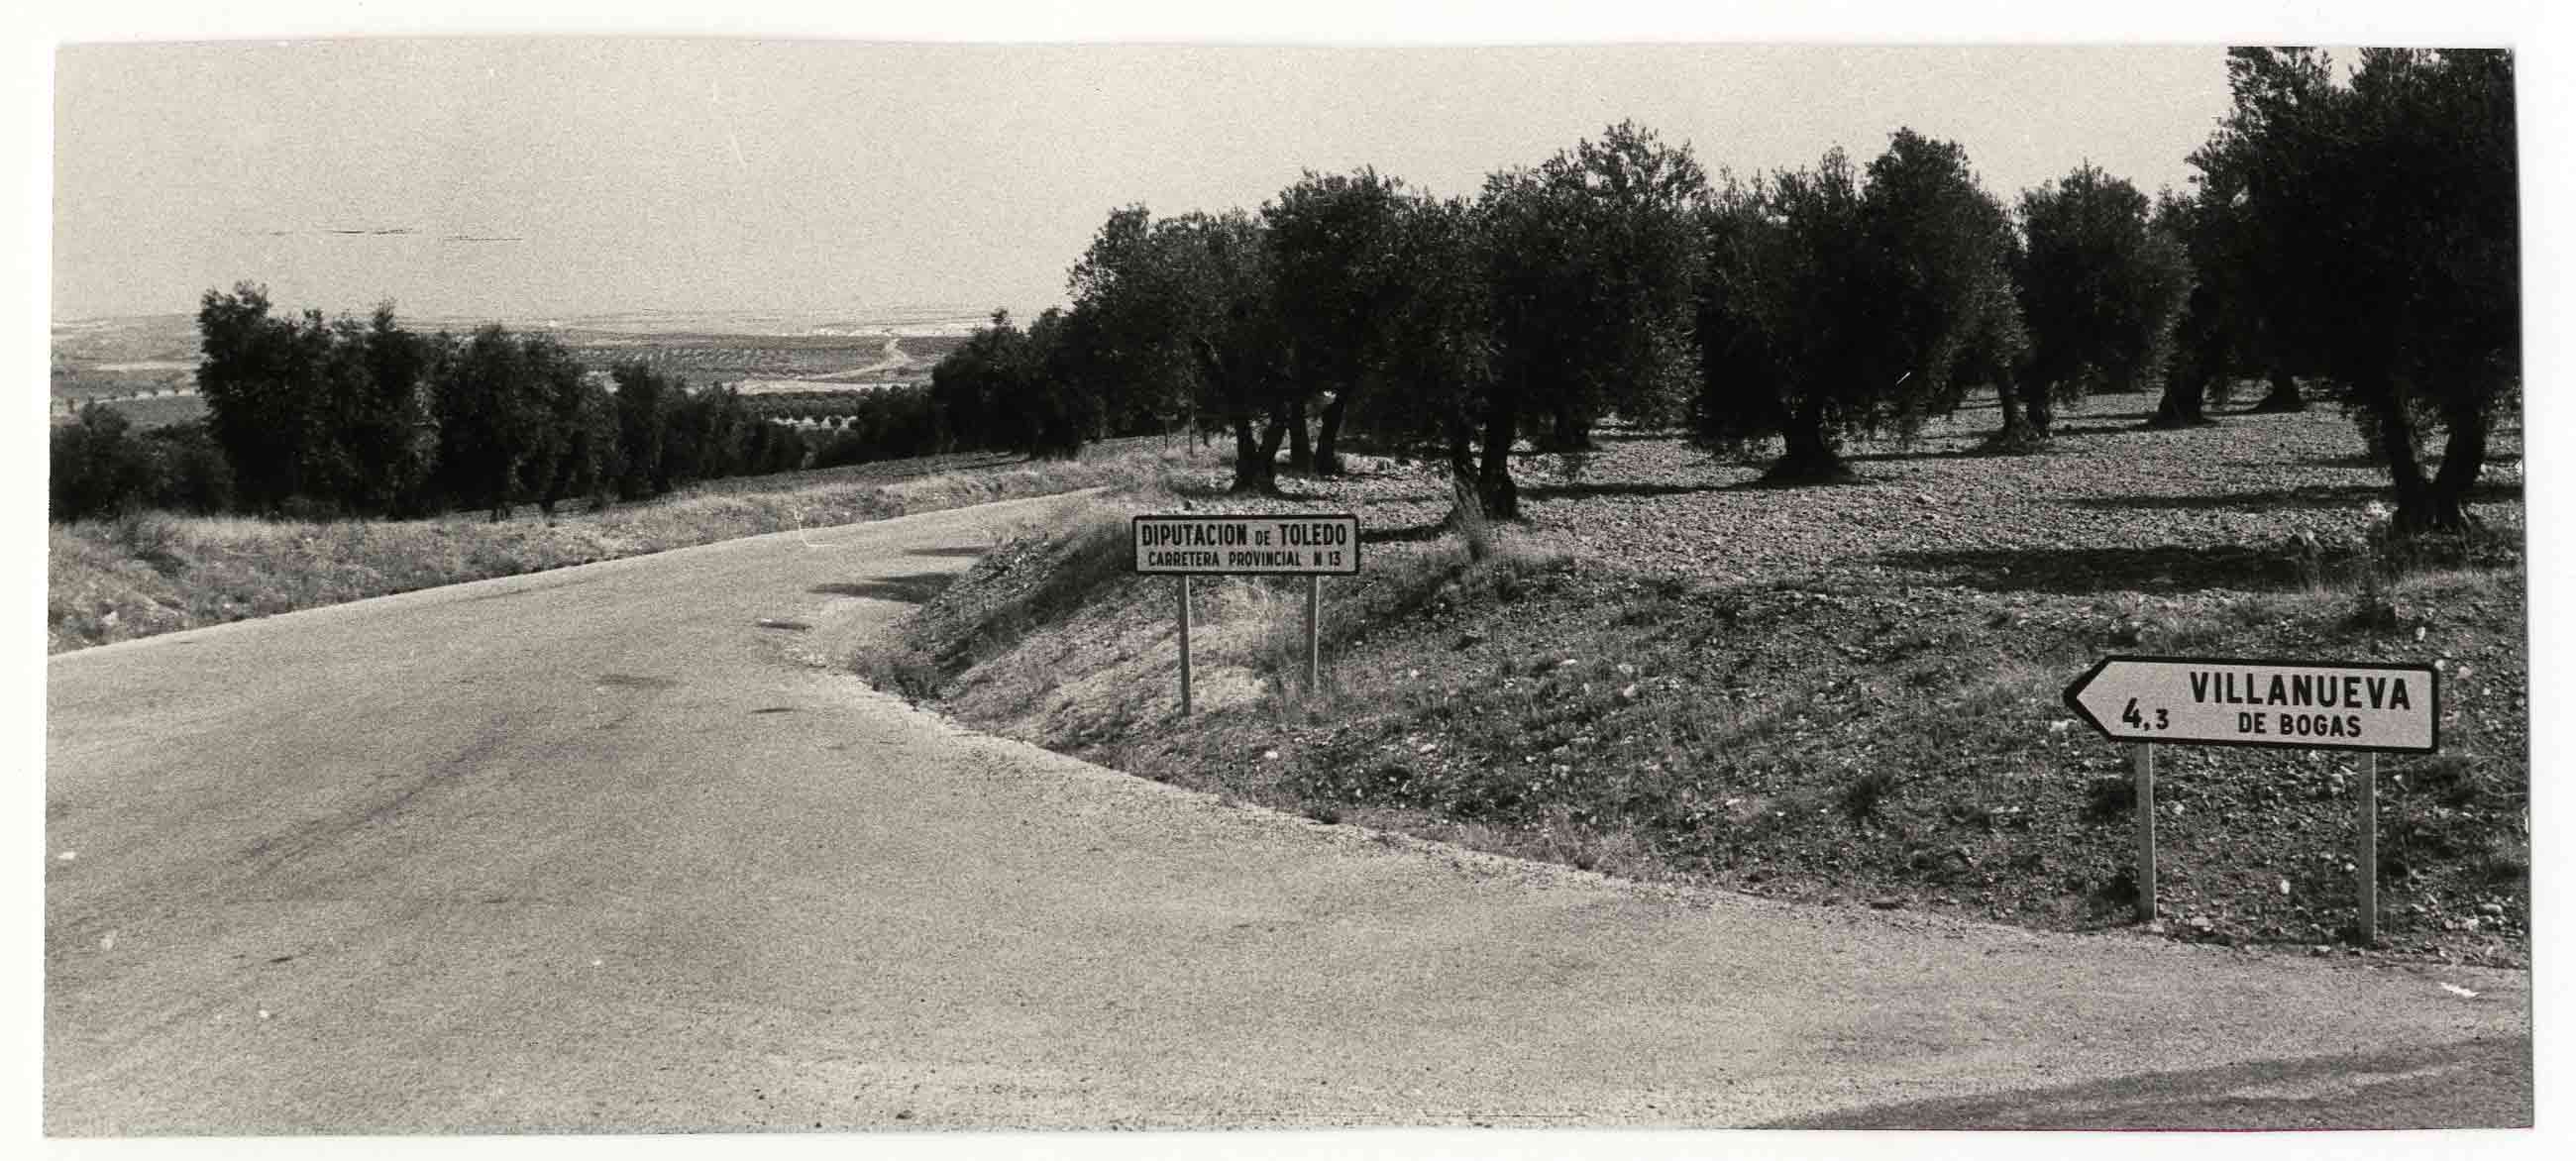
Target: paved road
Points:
(595, 849)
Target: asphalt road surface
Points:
(607, 849)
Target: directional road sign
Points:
(2337, 705)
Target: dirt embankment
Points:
(1845, 695)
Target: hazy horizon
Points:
(562, 177)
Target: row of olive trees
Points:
(348, 417)
(2358, 234)
(1615, 278)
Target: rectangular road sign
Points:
(2235, 701)
(1311, 545)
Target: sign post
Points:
(1314, 633)
(2365, 868)
(1185, 645)
(2331, 705)
(1311, 546)
(2142, 766)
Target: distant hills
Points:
(145, 357)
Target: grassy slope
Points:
(1846, 694)
(158, 573)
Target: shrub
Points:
(901, 670)
(192, 475)
(2109, 797)
(1863, 796)
(152, 539)
(2450, 779)
(97, 468)
(2505, 860)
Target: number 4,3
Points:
(2131, 718)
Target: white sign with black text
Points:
(1326, 545)
(2238, 702)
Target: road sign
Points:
(1312, 545)
(2333, 705)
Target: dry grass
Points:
(159, 573)
(981, 646)
(1836, 694)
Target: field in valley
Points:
(1846, 695)
(146, 366)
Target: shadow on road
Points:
(910, 588)
(2474, 1084)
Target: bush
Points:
(2110, 797)
(903, 671)
(841, 451)
(152, 539)
(1865, 793)
(2505, 860)
(191, 474)
(96, 468)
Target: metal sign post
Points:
(2142, 766)
(1185, 646)
(1311, 546)
(2331, 705)
(2365, 863)
(1314, 634)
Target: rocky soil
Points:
(1847, 694)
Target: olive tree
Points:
(1333, 240)
(2386, 241)
(2101, 290)
(1840, 302)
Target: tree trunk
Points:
(2464, 454)
(1809, 457)
(1283, 422)
(1494, 479)
(1462, 454)
(2035, 397)
(1570, 432)
(2285, 395)
(2016, 434)
(1301, 454)
(1466, 505)
(2183, 403)
(1253, 469)
(1328, 433)
(2415, 506)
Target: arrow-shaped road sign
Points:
(2339, 705)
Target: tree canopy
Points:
(2102, 288)
(2384, 233)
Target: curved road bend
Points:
(594, 850)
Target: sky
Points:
(872, 174)
(540, 177)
